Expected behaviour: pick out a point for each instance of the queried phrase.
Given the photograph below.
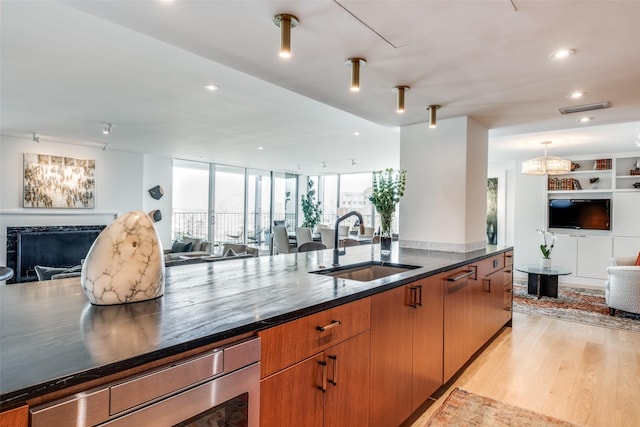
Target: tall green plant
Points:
(388, 188)
(310, 208)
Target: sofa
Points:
(188, 247)
(229, 251)
(622, 288)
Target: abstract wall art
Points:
(58, 182)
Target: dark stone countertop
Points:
(52, 337)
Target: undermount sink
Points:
(365, 272)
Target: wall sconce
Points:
(400, 90)
(106, 129)
(355, 64)
(35, 137)
(286, 22)
(432, 115)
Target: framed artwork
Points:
(58, 182)
(492, 211)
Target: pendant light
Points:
(355, 64)
(400, 90)
(547, 165)
(432, 115)
(286, 22)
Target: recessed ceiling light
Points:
(561, 53)
(261, 148)
(577, 94)
(585, 119)
(356, 133)
(211, 87)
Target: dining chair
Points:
(349, 242)
(327, 236)
(281, 240)
(303, 235)
(368, 232)
(311, 246)
(375, 239)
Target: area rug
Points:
(574, 304)
(463, 408)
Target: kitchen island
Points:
(52, 338)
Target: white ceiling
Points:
(68, 67)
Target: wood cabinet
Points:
(17, 417)
(316, 369)
(406, 343)
(459, 315)
(477, 303)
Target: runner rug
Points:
(574, 304)
(463, 408)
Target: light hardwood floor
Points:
(579, 373)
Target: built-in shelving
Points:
(618, 176)
(625, 168)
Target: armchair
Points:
(622, 289)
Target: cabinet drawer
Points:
(508, 258)
(292, 342)
(492, 264)
(507, 302)
(508, 276)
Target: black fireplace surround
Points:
(49, 246)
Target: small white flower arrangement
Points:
(548, 240)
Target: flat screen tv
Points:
(580, 214)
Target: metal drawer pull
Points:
(461, 276)
(413, 296)
(323, 387)
(508, 271)
(331, 325)
(334, 380)
(419, 295)
(488, 290)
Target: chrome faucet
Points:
(336, 251)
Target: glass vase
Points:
(385, 242)
(385, 234)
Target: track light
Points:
(286, 22)
(36, 138)
(432, 115)
(355, 64)
(400, 90)
(324, 165)
(105, 147)
(106, 129)
(353, 162)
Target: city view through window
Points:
(231, 204)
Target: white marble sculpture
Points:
(125, 263)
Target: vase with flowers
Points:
(388, 188)
(548, 240)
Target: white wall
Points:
(119, 186)
(159, 171)
(444, 206)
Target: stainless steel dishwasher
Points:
(219, 387)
